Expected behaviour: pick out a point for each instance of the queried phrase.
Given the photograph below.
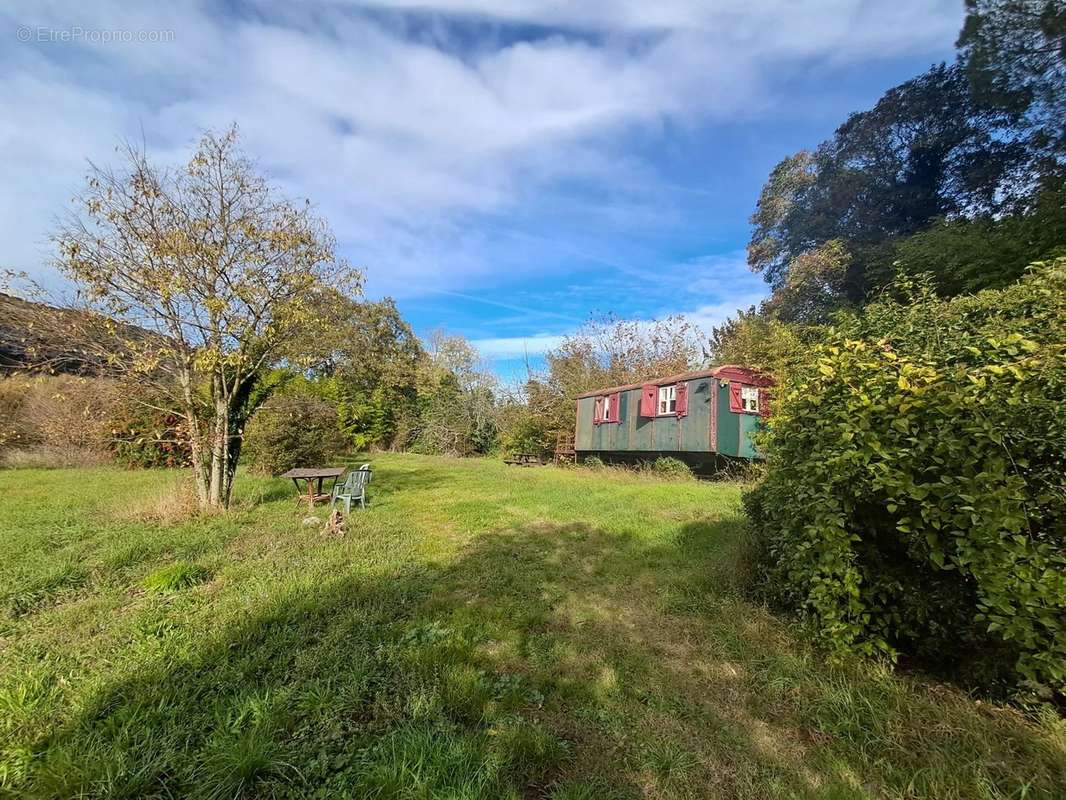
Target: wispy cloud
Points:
(525, 310)
(406, 121)
(512, 347)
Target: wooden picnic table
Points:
(523, 459)
(311, 475)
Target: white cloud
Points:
(510, 347)
(706, 317)
(405, 139)
(847, 27)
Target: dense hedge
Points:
(292, 430)
(914, 500)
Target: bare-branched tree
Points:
(206, 278)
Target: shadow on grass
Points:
(545, 661)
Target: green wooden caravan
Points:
(697, 417)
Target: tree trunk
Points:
(199, 472)
(196, 442)
(242, 404)
(215, 460)
(217, 497)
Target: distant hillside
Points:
(40, 337)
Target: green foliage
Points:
(927, 149)
(814, 286)
(762, 342)
(668, 467)
(965, 255)
(175, 577)
(956, 172)
(292, 430)
(456, 401)
(593, 462)
(914, 499)
(1014, 52)
(370, 370)
(523, 431)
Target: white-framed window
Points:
(668, 399)
(606, 409)
(749, 399)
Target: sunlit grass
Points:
(479, 632)
(175, 577)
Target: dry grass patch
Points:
(45, 456)
(175, 502)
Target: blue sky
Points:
(502, 169)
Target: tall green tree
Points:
(458, 400)
(369, 367)
(989, 251)
(1014, 53)
(927, 150)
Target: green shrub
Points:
(593, 462)
(523, 431)
(914, 499)
(292, 431)
(668, 467)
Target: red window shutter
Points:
(613, 403)
(597, 411)
(734, 398)
(649, 400)
(764, 402)
(682, 399)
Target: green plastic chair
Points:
(353, 488)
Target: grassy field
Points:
(480, 632)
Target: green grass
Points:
(479, 632)
(175, 577)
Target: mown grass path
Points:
(480, 632)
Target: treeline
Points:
(376, 386)
(367, 383)
(914, 501)
(370, 383)
(217, 320)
